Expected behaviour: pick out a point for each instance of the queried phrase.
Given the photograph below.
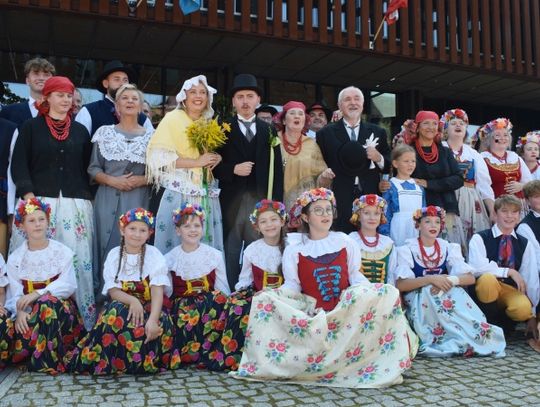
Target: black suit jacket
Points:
(6, 132)
(17, 113)
(330, 139)
(237, 150)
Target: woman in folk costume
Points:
(50, 160)
(307, 331)
(175, 167)
(476, 193)
(118, 166)
(303, 164)
(261, 269)
(200, 287)
(528, 148)
(507, 170)
(377, 251)
(6, 323)
(133, 334)
(41, 285)
(430, 273)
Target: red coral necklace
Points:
(431, 157)
(292, 148)
(366, 242)
(59, 128)
(434, 259)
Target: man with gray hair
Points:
(357, 152)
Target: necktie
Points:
(352, 131)
(506, 252)
(247, 124)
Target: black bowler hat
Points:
(266, 108)
(114, 66)
(353, 159)
(245, 81)
(323, 107)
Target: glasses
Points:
(323, 211)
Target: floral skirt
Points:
(451, 324)
(7, 331)
(198, 327)
(234, 320)
(116, 346)
(363, 342)
(55, 327)
(453, 232)
(72, 223)
(472, 211)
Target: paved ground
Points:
(509, 381)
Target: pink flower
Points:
(332, 326)
(272, 345)
(310, 359)
(259, 306)
(484, 325)
(369, 369)
(356, 351)
(319, 359)
(388, 337)
(302, 323)
(293, 321)
(447, 303)
(369, 316)
(281, 347)
(438, 331)
(268, 307)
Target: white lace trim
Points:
(116, 146)
(194, 264)
(40, 265)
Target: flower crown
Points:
(187, 209)
(452, 114)
(430, 210)
(307, 197)
(367, 200)
(406, 134)
(29, 206)
(268, 205)
(530, 137)
(139, 215)
(488, 128)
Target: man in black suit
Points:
(243, 173)
(348, 147)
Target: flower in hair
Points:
(268, 205)
(139, 215)
(530, 137)
(26, 207)
(430, 210)
(308, 197)
(187, 209)
(367, 200)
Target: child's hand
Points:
(521, 285)
(21, 323)
(440, 283)
(152, 330)
(384, 186)
(136, 312)
(27, 300)
(3, 311)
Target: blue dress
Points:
(451, 323)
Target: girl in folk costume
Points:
(507, 170)
(403, 197)
(307, 331)
(430, 273)
(6, 323)
(200, 287)
(41, 283)
(528, 147)
(133, 334)
(378, 252)
(261, 269)
(476, 193)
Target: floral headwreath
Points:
(488, 128)
(452, 114)
(430, 210)
(530, 137)
(367, 200)
(407, 132)
(268, 205)
(29, 206)
(137, 215)
(187, 209)
(307, 197)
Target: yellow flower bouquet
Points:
(207, 135)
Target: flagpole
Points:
(372, 43)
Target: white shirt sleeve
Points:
(479, 262)
(483, 180)
(66, 283)
(3, 272)
(12, 189)
(290, 269)
(246, 274)
(392, 264)
(222, 283)
(456, 262)
(405, 265)
(15, 291)
(524, 230)
(85, 119)
(529, 272)
(526, 175)
(147, 125)
(354, 263)
(109, 271)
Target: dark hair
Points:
(304, 226)
(184, 219)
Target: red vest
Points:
(30, 286)
(264, 279)
(324, 278)
(502, 174)
(138, 289)
(187, 288)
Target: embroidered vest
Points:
(138, 289)
(421, 271)
(30, 286)
(187, 288)
(264, 279)
(375, 265)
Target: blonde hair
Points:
(507, 200)
(531, 189)
(129, 86)
(401, 149)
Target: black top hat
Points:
(114, 66)
(245, 81)
(323, 107)
(266, 108)
(352, 158)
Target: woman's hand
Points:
(27, 300)
(28, 195)
(152, 330)
(217, 160)
(208, 160)
(21, 323)
(440, 283)
(136, 312)
(421, 182)
(123, 183)
(3, 311)
(513, 187)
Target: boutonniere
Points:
(274, 139)
(274, 142)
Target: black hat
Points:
(114, 66)
(265, 107)
(245, 81)
(323, 107)
(352, 158)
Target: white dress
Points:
(379, 261)
(262, 256)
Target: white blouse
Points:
(410, 252)
(155, 268)
(3, 272)
(114, 145)
(40, 265)
(316, 248)
(378, 251)
(262, 255)
(511, 158)
(199, 263)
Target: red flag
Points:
(392, 13)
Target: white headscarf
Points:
(191, 82)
